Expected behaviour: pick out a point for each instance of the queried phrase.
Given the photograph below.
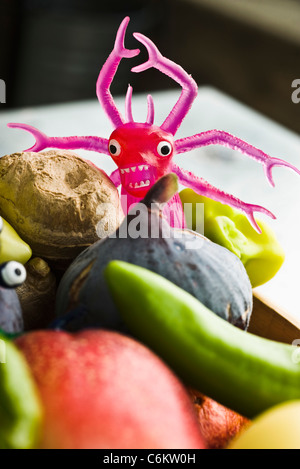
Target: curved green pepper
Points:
(240, 370)
(12, 247)
(261, 254)
(20, 406)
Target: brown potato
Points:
(55, 200)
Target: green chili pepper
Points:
(12, 247)
(240, 370)
(261, 254)
(20, 406)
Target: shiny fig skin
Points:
(11, 315)
(208, 271)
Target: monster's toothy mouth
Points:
(137, 185)
(138, 177)
(140, 167)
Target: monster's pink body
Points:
(143, 152)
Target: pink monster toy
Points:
(143, 152)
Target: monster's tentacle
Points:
(128, 106)
(108, 72)
(150, 114)
(91, 143)
(115, 177)
(202, 187)
(219, 137)
(178, 74)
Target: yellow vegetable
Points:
(12, 247)
(261, 254)
(276, 428)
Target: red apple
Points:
(218, 424)
(101, 389)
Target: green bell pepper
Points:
(240, 370)
(20, 406)
(12, 247)
(261, 254)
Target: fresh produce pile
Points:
(131, 331)
(133, 342)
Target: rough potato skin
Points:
(55, 201)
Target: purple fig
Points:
(208, 271)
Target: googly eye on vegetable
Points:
(12, 274)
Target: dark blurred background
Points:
(51, 51)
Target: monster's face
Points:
(143, 153)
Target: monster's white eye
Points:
(114, 147)
(164, 148)
(13, 274)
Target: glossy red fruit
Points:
(101, 389)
